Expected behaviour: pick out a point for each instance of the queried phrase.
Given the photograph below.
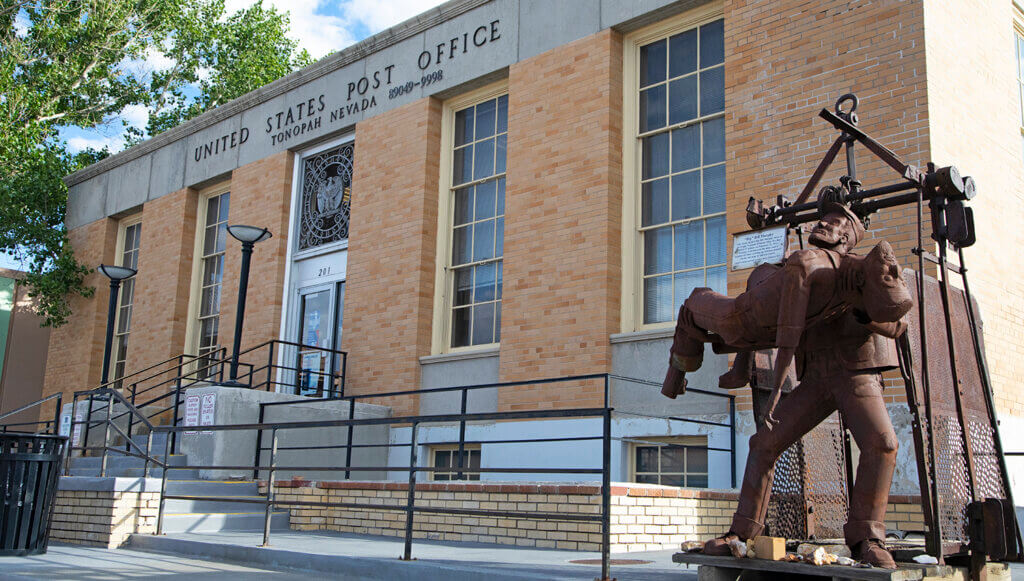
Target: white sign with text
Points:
(755, 247)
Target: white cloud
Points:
(156, 60)
(21, 24)
(317, 31)
(377, 15)
(325, 26)
(82, 142)
(136, 115)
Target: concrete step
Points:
(118, 465)
(194, 505)
(222, 521)
(117, 461)
(211, 487)
(190, 474)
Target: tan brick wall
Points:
(974, 107)
(75, 358)
(642, 517)
(783, 64)
(563, 218)
(390, 282)
(260, 196)
(160, 311)
(102, 518)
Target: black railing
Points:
(155, 393)
(51, 427)
(412, 427)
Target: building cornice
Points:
(324, 66)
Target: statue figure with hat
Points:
(833, 314)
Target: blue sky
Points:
(320, 26)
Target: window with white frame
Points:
(680, 182)
(129, 235)
(475, 218)
(1018, 42)
(674, 461)
(213, 239)
(448, 457)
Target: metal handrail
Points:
(112, 396)
(182, 378)
(58, 396)
(145, 369)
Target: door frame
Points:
(289, 297)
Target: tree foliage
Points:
(79, 63)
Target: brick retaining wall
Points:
(104, 518)
(643, 517)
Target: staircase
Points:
(212, 508)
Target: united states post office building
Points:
(508, 190)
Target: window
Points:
(326, 197)
(213, 237)
(473, 215)
(448, 457)
(677, 138)
(129, 234)
(681, 461)
(1018, 39)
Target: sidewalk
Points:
(321, 555)
(350, 556)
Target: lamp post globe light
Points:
(249, 236)
(116, 274)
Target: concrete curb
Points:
(340, 566)
(110, 483)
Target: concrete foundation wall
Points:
(238, 447)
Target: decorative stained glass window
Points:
(326, 197)
(682, 170)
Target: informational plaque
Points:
(191, 412)
(755, 247)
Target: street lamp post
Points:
(116, 274)
(248, 236)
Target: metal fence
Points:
(268, 450)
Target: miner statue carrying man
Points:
(834, 314)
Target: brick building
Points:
(503, 190)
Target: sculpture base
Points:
(733, 569)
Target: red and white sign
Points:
(191, 412)
(206, 410)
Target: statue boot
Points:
(873, 552)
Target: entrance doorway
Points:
(318, 257)
(320, 322)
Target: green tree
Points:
(80, 63)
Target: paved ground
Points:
(305, 556)
(86, 563)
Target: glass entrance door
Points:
(320, 319)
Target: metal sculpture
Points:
(845, 343)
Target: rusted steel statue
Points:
(834, 314)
